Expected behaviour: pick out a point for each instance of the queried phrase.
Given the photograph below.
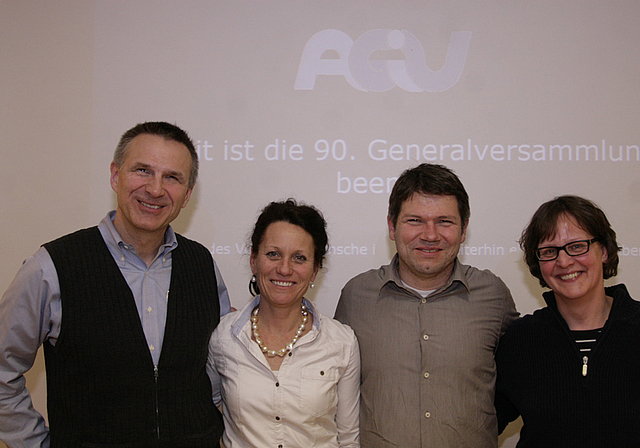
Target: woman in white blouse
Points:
(288, 376)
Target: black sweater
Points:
(540, 377)
(103, 389)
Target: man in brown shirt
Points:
(428, 326)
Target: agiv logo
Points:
(369, 74)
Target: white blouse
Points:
(312, 401)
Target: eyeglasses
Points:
(572, 249)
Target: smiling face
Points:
(152, 186)
(428, 234)
(283, 264)
(574, 278)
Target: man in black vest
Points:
(129, 289)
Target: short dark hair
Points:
(588, 216)
(162, 129)
(428, 178)
(305, 216)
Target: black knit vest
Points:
(102, 387)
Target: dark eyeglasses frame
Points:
(564, 248)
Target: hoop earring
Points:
(253, 286)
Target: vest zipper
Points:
(155, 377)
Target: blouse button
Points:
(277, 384)
(322, 373)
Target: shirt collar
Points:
(114, 241)
(618, 292)
(244, 315)
(391, 274)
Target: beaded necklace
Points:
(266, 350)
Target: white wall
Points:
(75, 75)
(46, 75)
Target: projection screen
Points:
(328, 102)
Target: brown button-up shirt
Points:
(428, 368)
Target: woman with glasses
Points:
(571, 369)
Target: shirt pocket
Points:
(318, 394)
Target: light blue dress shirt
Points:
(31, 313)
